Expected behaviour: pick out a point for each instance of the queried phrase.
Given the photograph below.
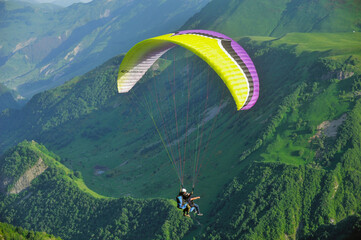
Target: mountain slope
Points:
(280, 199)
(8, 231)
(54, 203)
(306, 202)
(43, 47)
(276, 18)
(85, 120)
(274, 201)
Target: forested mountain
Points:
(58, 202)
(43, 45)
(289, 168)
(9, 232)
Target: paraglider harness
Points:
(181, 204)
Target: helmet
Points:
(184, 190)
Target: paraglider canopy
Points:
(224, 55)
(227, 58)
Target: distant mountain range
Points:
(44, 45)
(277, 17)
(63, 3)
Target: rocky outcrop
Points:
(4, 182)
(329, 128)
(340, 75)
(24, 181)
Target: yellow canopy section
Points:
(210, 48)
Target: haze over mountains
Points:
(289, 168)
(8, 98)
(52, 45)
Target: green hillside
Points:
(9, 232)
(57, 117)
(44, 45)
(57, 203)
(277, 17)
(319, 200)
(277, 201)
